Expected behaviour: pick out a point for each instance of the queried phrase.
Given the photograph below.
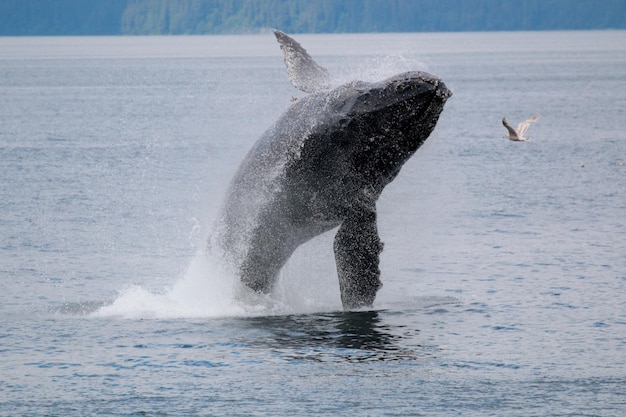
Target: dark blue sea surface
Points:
(504, 266)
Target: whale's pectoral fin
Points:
(304, 73)
(357, 249)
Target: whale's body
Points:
(323, 165)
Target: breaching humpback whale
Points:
(517, 135)
(323, 165)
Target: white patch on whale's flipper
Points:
(304, 73)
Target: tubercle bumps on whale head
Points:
(415, 91)
(415, 82)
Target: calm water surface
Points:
(504, 267)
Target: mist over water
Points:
(503, 266)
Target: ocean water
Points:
(504, 266)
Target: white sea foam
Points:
(207, 289)
(201, 292)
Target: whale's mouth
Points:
(442, 91)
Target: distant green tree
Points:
(61, 17)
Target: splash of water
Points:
(207, 289)
(198, 293)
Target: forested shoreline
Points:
(187, 17)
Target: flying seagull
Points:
(518, 135)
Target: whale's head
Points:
(387, 121)
(405, 106)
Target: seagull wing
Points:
(523, 126)
(304, 73)
(512, 132)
